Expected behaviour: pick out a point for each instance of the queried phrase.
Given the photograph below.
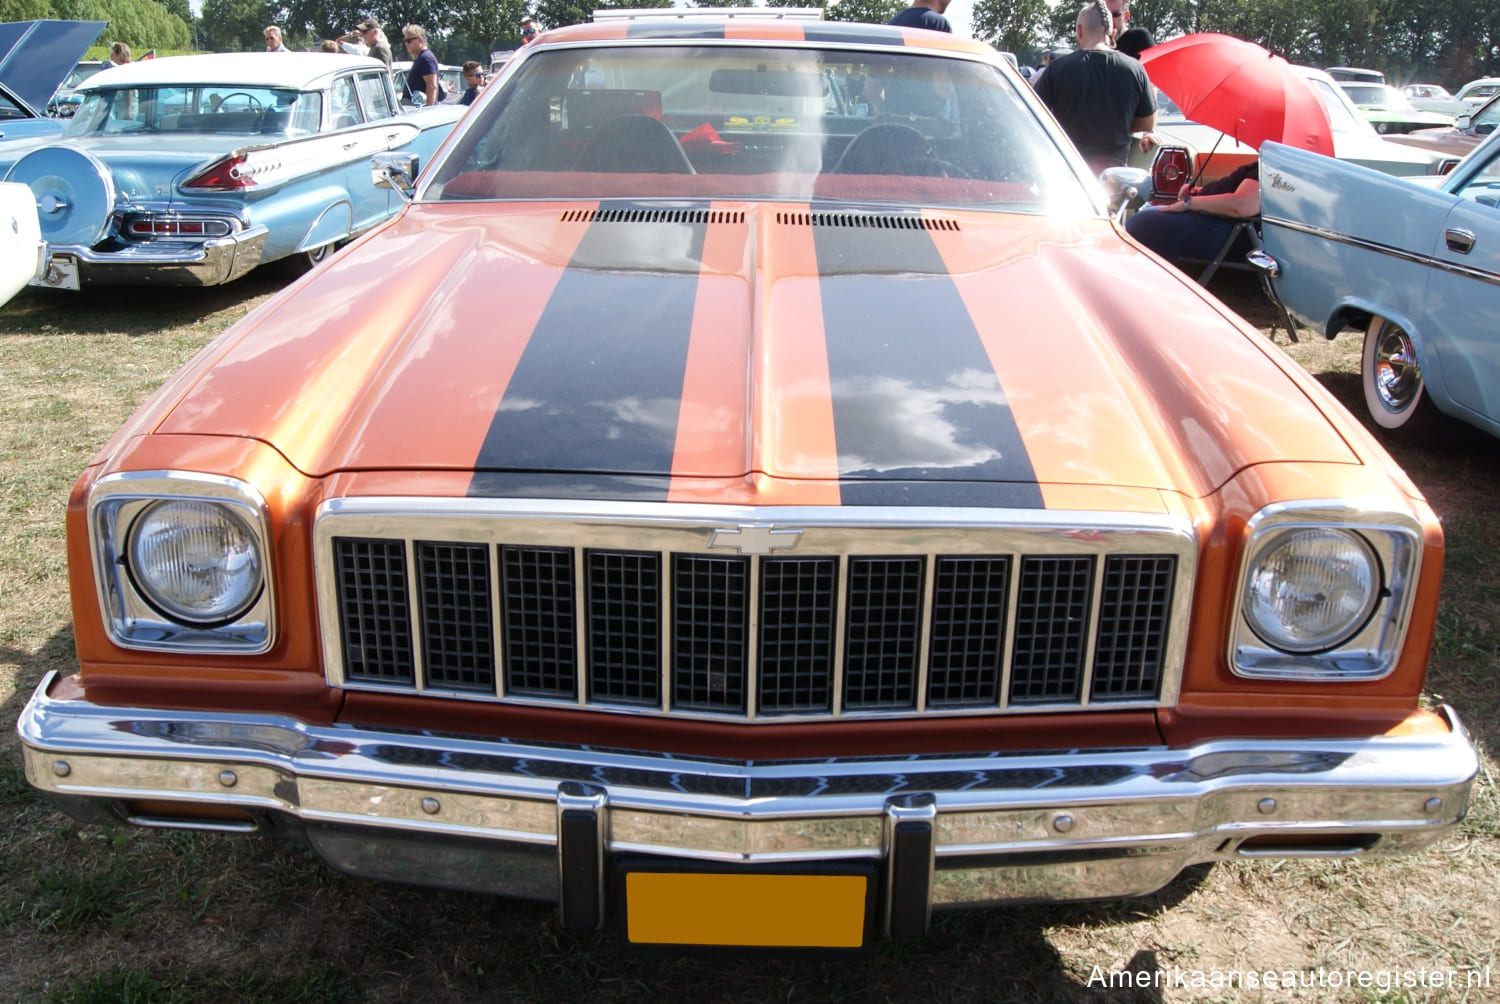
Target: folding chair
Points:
(1249, 228)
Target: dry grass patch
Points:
(98, 915)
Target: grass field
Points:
(90, 914)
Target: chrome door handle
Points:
(1458, 240)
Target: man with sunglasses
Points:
(473, 80)
(422, 78)
(369, 34)
(528, 31)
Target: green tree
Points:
(235, 25)
(867, 11)
(1011, 25)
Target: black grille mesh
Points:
(968, 631)
(374, 613)
(458, 644)
(1051, 628)
(880, 644)
(624, 627)
(796, 635)
(772, 636)
(710, 628)
(541, 622)
(1133, 616)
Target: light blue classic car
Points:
(193, 170)
(1414, 263)
(35, 58)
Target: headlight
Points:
(182, 561)
(1309, 590)
(195, 562)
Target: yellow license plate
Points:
(747, 909)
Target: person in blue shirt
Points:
(924, 14)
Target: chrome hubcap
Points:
(1398, 378)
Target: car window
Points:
(1340, 116)
(1488, 117)
(1479, 91)
(1484, 186)
(343, 103)
(758, 123)
(224, 109)
(9, 110)
(375, 96)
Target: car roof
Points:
(1480, 82)
(707, 30)
(297, 70)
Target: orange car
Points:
(751, 495)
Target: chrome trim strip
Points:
(1467, 271)
(1193, 804)
(826, 531)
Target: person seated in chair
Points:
(1196, 226)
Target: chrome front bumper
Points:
(157, 263)
(527, 819)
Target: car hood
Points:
(37, 56)
(952, 357)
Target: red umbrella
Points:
(1241, 90)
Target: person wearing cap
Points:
(369, 34)
(422, 78)
(528, 31)
(1134, 41)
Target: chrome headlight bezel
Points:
(1370, 649)
(135, 620)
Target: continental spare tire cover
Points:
(75, 193)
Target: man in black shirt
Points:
(1099, 96)
(924, 14)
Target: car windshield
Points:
(747, 122)
(206, 108)
(1479, 92)
(1376, 94)
(1432, 91)
(80, 73)
(1341, 114)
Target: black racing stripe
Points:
(598, 388)
(915, 396)
(674, 29)
(547, 485)
(846, 32)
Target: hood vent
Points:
(651, 216)
(876, 221)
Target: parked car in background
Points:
(1477, 92)
(451, 77)
(1435, 98)
(1390, 111)
(1414, 264)
(1355, 74)
(36, 57)
(192, 170)
(21, 248)
(498, 59)
(1467, 132)
(1354, 140)
(67, 99)
(718, 511)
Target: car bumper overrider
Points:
(551, 821)
(156, 263)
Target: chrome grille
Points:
(653, 617)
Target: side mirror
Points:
(1461, 123)
(396, 170)
(1127, 188)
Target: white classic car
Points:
(21, 244)
(192, 170)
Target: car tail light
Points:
(1170, 171)
(1447, 165)
(146, 227)
(222, 176)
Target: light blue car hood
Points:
(37, 56)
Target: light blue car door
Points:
(1463, 290)
(362, 120)
(1346, 236)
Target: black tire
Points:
(1395, 394)
(304, 262)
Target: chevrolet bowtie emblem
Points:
(755, 539)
